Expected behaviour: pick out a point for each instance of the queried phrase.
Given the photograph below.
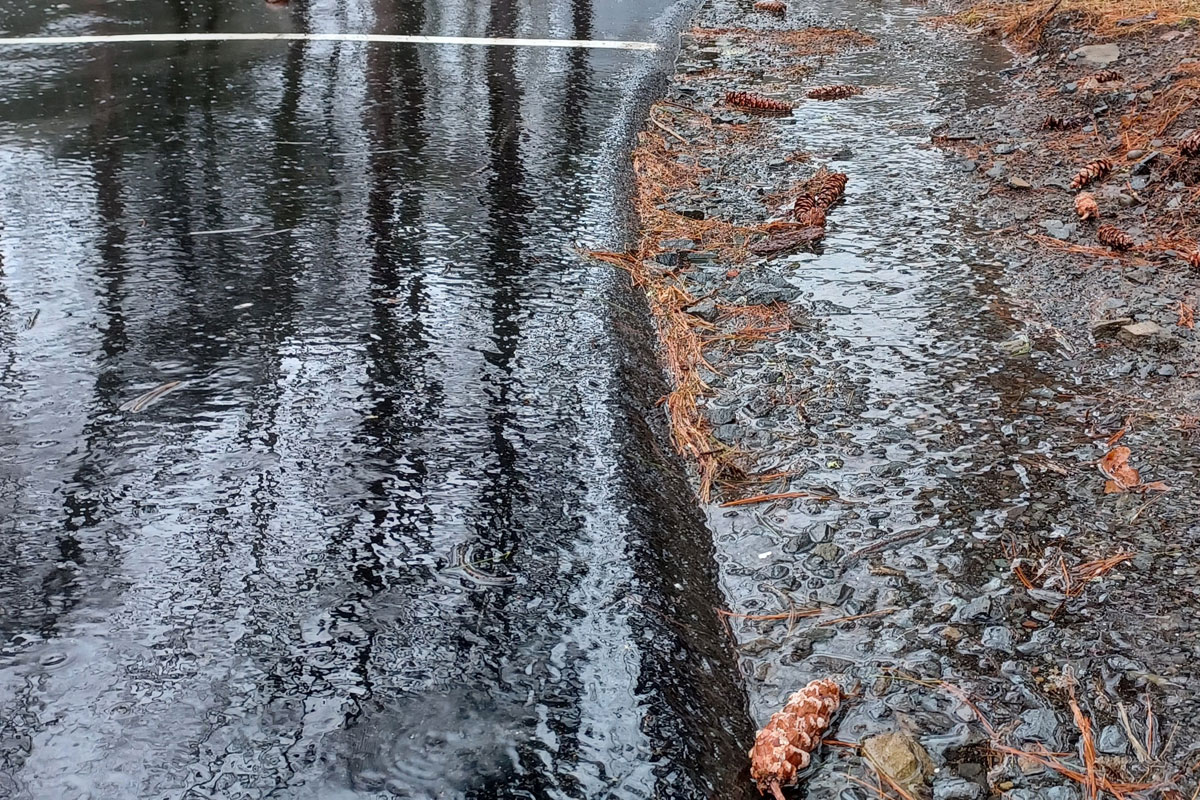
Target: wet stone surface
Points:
(957, 429)
(325, 463)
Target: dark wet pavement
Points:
(325, 463)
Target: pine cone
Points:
(771, 6)
(1086, 206)
(1053, 123)
(1194, 260)
(1114, 238)
(838, 179)
(827, 187)
(814, 217)
(785, 744)
(748, 101)
(828, 195)
(834, 92)
(1093, 171)
(1190, 146)
(1106, 76)
(802, 205)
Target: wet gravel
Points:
(931, 383)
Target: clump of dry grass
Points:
(667, 166)
(1155, 119)
(1024, 22)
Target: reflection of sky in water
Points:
(391, 502)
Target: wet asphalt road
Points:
(324, 469)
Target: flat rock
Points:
(901, 758)
(1141, 331)
(1098, 55)
(1038, 725)
(1110, 325)
(952, 787)
(1019, 183)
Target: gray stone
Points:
(996, 172)
(1112, 740)
(677, 244)
(997, 637)
(1061, 793)
(1059, 229)
(1069, 88)
(1004, 149)
(1145, 164)
(705, 309)
(1110, 325)
(1098, 55)
(719, 415)
(952, 787)
(1038, 725)
(975, 609)
(1167, 370)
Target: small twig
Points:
(663, 127)
(904, 537)
(881, 612)
(766, 498)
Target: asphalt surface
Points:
(324, 461)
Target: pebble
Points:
(1059, 229)
(976, 608)
(1020, 183)
(1038, 725)
(1112, 740)
(705, 309)
(997, 637)
(952, 787)
(1004, 149)
(901, 758)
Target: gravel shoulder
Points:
(907, 429)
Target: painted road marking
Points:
(381, 38)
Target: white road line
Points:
(382, 38)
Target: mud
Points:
(942, 382)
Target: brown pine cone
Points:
(1086, 206)
(1114, 238)
(748, 101)
(827, 196)
(1194, 260)
(840, 92)
(802, 205)
(785, 744)
(771, 6)
(1190, 145)
(1053, 123)
(1106, 76)
(814, 217)
(838, 179)
(1093, 171)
